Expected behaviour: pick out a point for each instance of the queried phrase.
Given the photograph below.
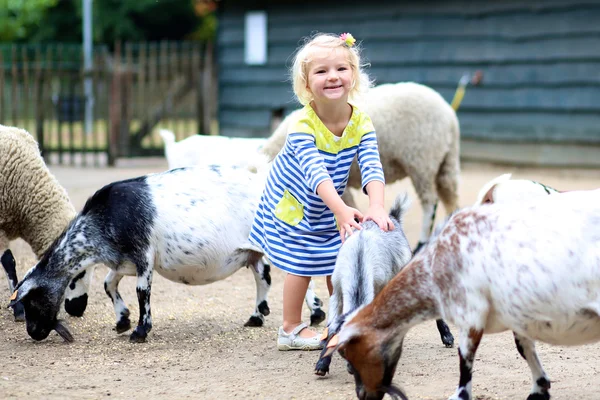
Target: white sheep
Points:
(418, 135)
(503, 189)
(190, 225)
(366, 262)
(532, 269)
(34, 207)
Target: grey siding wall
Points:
(540, 59)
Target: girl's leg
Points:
(294, 289)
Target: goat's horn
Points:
(62, 330)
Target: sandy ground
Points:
(199, 348)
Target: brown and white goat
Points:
(532, 269)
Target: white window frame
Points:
(255, 38)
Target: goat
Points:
(503, 189)
(366, 262)
(190, 225)
(532, 269)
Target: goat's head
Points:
(41, 296)
(372, 354)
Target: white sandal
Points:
(292, 341)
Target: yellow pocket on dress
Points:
(289, 210)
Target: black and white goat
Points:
(190, 225)
(532, 269)
(366, 262)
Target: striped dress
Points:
(292, 225)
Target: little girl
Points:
(301, 220)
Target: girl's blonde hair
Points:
(299, 71)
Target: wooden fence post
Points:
(14, 104)
(207, 88)
(2, 72)
(38, 99)
(199, 84)
(115, 107)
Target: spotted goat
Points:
(367, 261)
(190, 225)
(532, 269)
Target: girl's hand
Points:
(346, 220)
(377, 214)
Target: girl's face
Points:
(329, 75)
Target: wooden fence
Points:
(137, 88)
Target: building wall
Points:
(540, 59)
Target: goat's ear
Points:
(20, 293)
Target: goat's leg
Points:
(335, 309)
(143, 288)
(111, 287)
(428, 220)
(10, 268)
(262, 277)
(445, 333)
(541, 383)
(424, 183)
(76, 296)
(314, 304)
(469, 341)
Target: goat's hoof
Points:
(322, 367)
(448, 341)
(254, 321)
(317, 317)
(263, 308)
(539, 396)
(123, 325)
(76, 306)
(19, 312)
(138, 337)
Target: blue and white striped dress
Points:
(292, 225)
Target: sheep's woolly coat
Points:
(418, 135)
(33, 205)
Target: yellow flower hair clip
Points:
(348, 39)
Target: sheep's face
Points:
(373, 360)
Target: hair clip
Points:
(348, 39)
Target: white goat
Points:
(366, 262)
(211, 149)
(532, 269)
(503, 189)
(190, 225)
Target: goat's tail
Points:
(483, 192)
(401, 205)
(168, 137)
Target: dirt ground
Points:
(199, 348)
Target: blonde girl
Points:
(301, 220)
